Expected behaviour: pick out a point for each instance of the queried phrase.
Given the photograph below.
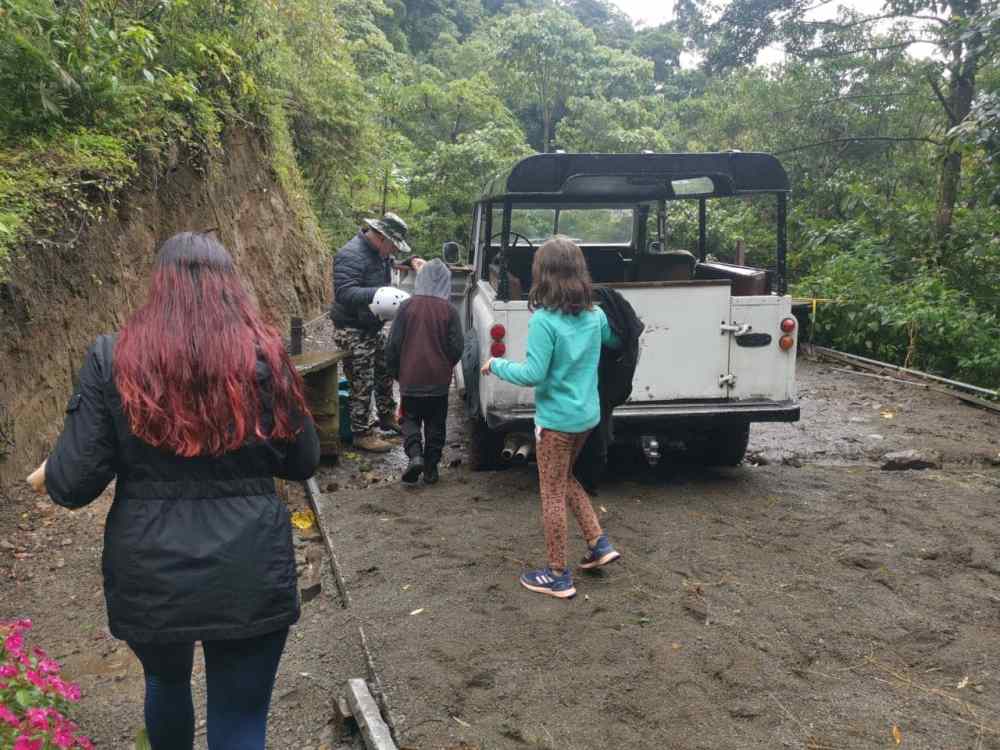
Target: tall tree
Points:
(954, 27)
(544, 56)
(549, 57)
(611, 26)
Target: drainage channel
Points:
(370, 710)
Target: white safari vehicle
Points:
(718, 350)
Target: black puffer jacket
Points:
(615, 374)
(358, 270)
(194, 548)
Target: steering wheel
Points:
(517, 238)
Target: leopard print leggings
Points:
(557, 452)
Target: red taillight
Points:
(788, 325)
(498, 349)
(786, 343)
(498, 332)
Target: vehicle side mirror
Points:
(451, 252)
(655, 247)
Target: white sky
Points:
(655, 12)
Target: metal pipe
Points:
(782, 244)
(510, 446)
(503, 290)
(522, 454)
(917, 373)
(702, 230)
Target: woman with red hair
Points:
(194, 408)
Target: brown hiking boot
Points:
(369, 441)
(389, 423)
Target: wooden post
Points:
(741, 253)
(319, 371)
(296, 337)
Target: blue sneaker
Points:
(544, 581)
(600, 554)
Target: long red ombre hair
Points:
(186, 361)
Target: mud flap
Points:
(470, 370)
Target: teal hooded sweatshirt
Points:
(563, 354)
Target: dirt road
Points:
(807, 599)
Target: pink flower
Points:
(68, 690)
(63, 737)
(8, 671)
(85, 743)
(23, 742)
(14, 644)
(8, 716)
(36, 718)
(71, 692)
(48, 666)
(36, 678)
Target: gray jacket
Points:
(358, 271)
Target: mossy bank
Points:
(84, 266)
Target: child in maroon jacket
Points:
(425, 344)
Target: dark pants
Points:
(431, 414)
(240, 676)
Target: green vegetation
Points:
(411, 105)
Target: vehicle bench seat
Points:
(672, 265)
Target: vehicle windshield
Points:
(585, 226)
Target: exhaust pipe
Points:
(522, 454)
(510, 445)
(651, 449)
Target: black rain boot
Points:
(414, 469)
(431, 474)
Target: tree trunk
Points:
(961, 90)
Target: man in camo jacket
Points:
(359, 268)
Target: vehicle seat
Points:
(672, 265)
(606, 266)
(519, 260)
(516, 289)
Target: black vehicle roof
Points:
(638, 177)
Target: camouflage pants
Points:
(364, 367)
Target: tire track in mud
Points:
(815, 577)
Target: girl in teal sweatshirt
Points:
(565, 336)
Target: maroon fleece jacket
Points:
(425, 344)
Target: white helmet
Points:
(387, 300)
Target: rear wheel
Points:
(484, 446)
(720, 446)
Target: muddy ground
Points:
(807, 599)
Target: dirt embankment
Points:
(65, 291)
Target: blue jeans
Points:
(240, 676)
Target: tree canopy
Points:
(887, 120)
